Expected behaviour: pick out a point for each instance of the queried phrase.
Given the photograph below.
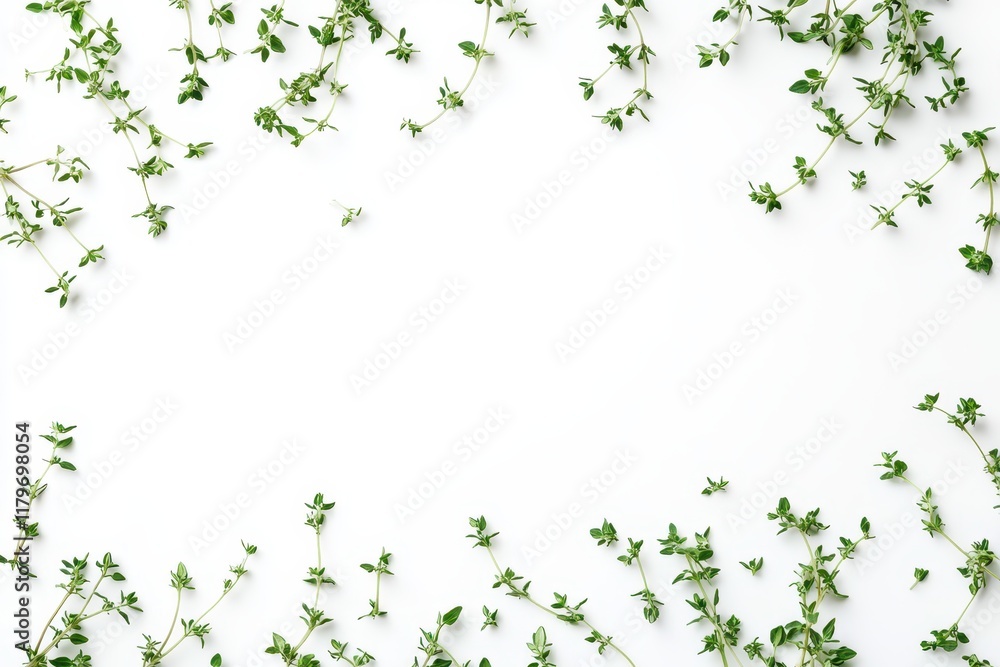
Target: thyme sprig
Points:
(89, 61)
(964, 417)
(803, 638)
(332, 34)
(193, 85)
(70, 628)
(450, 99)
(26, 528)
(154, 651)
(561, 609)
(607, 535)
(313, 617)
(841, 30)
(622, 58)
(434, 649)
(27, 229)
(976, 259)
(979, 559)
(379, 568)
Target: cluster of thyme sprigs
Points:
(450, 99)
(89, 62)
(607, 535)
(26, 529)
(907, 51)
(154, 651)
(979, 559)
(69, 629)
(622, 58)
(516, 587)
(332, 34)
(808, 640)
(85, 599)
(26, 226)
(919, 190)
(904, 55)
(193, 85)
(313, 616)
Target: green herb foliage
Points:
(978, 566)
(516, 587)
(964, 418)
(623, 57)
(919, 191)
(906, 50)
(63, 638)
(313, 617)
(436, 654)
(192, 84)
(89, 61)
(27, 230)
(606, 535)
(331, 33)
(450, 99)
(379, 568)
(809, 639)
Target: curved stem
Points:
(78, 619)
(218, 26)
(138, 162)
(739, 29)
(51, 209)
(472, 76)
(910, 194)
(173, 622)
(337, 90)
(164, 652)
(521, 593)
(52, 618)
(21, 543)
(642, 46)
(843, 132)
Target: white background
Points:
(856, 298)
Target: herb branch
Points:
(379, 568)
(313, 617)
(979, 558)
(606, 535)
(562, 609)
(622, 58)
(816, 582)
(966, 415)
(193, 85)
(977, 260)
(450, 99)
(89, 62)
(59, 214)
(332, 34)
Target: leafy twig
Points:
(451, 99)
(562, 609)
(622, 56)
